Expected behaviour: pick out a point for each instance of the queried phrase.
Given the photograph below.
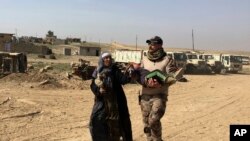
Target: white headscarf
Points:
(105, 54)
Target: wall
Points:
(67, 51)
(27, 48)
(90, 51)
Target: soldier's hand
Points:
(153, 83)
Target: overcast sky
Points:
(217, 24)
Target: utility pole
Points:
(136, 42)
(17, 40)
(193, 38)
(16, 32)
(111, 45)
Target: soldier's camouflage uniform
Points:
(153, 100)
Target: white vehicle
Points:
(245, 60)
(123, 57)
(213, 61)
(232, 63)
(195, 64)
(180, 59)
(126, 56)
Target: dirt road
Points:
(199, 110)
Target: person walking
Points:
(153, 97)
(110, 119)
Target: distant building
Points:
(13, 62)
(90, 51)
(67, 51)
(6, 37)
(36, 40)
(30, 39)
(6, 40)
(72, 40)
(50, 38)
(8, 43)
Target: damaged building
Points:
(9, 43)
(13, 62)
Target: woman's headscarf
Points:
(100, 63)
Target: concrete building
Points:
(13, 62)
(8, 43)
(90, 51)
(6, 40)
(67, 51)
(72, 40)
(6, 37)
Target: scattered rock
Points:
(44, 82)
(48, 68)
(68, 75)
(52, 56)
(30, 67)
(42, 70)
(41, 56)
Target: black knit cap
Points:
(155, 40)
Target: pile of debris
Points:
(82, 69)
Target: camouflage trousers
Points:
(153, 109)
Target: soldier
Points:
(110, 116)
(154, 94)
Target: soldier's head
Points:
(154, 43)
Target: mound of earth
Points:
(47, 80)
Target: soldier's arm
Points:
(171, 66)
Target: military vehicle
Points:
(180, 59)
(213, 62)
(195, 64)
(231, 63)
(124, 56)
(245, 60)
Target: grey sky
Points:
(217, 24)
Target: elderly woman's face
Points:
(107, 61)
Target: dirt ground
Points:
(198, 110)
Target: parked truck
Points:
(213, 62)
(180, 59)
(231, 63)
(124, 56)
(245, 60)
(196, 65)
